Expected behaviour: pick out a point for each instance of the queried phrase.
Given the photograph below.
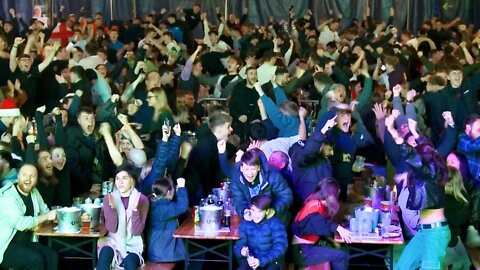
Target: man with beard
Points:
(345, 145)
(243, 104)
(22, 211)
(48, 183)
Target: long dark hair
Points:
(327, 190)
(428, 154)
(463, 168)
(162, 186)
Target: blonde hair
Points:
(455, 185)
(161, 99)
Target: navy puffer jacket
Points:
(272, 184)
(266, 241)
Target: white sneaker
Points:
(473, 238)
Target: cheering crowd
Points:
(296, 101)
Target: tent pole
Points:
(134, 8)
(111, 10)
(226, 9)
(408, 15)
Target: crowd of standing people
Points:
(83, 102)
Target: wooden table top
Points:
(187, 230)
(380, 241)
(48, 229)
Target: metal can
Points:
(107, 187)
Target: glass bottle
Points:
(220, 201)
(227, 214)
(210, 200)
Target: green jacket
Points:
(13, 219)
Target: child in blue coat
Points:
(162, 246)
(263, 238)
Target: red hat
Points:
(8, 108)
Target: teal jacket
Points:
(13, 215)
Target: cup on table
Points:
(365, 226)
(353, 225)
(86, 219)
(386, 221)
(367, 201)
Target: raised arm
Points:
(13, 53)
(128, 93)
(187, 69)
(50, 57)
(115, 154)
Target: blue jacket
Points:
(266, 241)
(271, 184)
(287, 124)
(162, 246)
(309, 166)
(165, 157)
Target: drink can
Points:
(107, 187)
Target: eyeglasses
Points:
(150, 97)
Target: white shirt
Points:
(265, 73)
(279, 144)
(328, 35)
(90, 62)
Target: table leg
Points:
(230, 255)
(94, 253)
(391, 257)
(187, 257)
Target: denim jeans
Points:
(426, 250)
(309, 255)
(458, 257)
(131, 262)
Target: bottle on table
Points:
(210, 200)
(227, 214)
(220, 201)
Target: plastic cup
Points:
(353, 225)
(85, 227)
(367, 201)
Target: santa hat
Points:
(8, 108)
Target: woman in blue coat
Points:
(162, 246)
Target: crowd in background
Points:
(295, 102)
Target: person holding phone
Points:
(162, 113)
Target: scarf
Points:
(122, 241)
